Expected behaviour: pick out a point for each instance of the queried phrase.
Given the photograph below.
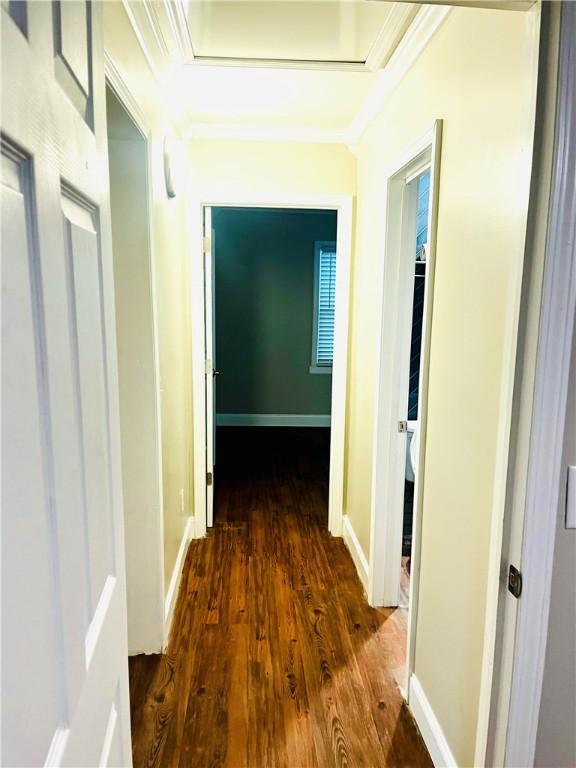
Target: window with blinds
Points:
(324, 305)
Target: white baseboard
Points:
(358, 556)
(273, 420)
(430, 728)
(172, 593)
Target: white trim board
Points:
(429, 726)
(272, 420)
(512, 431)
(115, 80)
(356, 551)
(176, 577)
(556, 337)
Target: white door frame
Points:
(342, 204)
(122, 92)
(556, 337)
(389, 452)
(209, 342)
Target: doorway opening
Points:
(402, 387)
(270, 336)
(419, 188)
(270, 292)
(128, 157)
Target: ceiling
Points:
(288, 98)
(248, 68)
(286, 30)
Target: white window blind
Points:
(325, 303)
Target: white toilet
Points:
(412, 443)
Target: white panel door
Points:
(64, 651)
(209, 367)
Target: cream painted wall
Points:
(478, 75)
(170, 261)
(220, 168)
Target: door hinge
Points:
(402, 426)
(207, 367)
(514, 581)
(206, 244)
(209, 478)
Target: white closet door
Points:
(64, 656)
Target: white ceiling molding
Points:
(493, 5)
(163, 35)
(232, 132)
(391, 32)
(161, 31)
(177, 19)
(332, 66)
(136, 16)
(425, 25)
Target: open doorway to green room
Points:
(336, 280)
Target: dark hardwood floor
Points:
(275, 658)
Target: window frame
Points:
(315, 368)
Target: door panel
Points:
(70, 19)
(64, 647)
(29, 657)
(81, 244)
(72, 51)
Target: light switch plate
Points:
(571, 497)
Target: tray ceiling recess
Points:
(357, 35)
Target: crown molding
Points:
(427, 22)
(163, 35)
(492, 5)
(399, 18)
(162, 32)
(139, 21)
(176, 16)
(332, 66)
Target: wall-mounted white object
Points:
(169, 155)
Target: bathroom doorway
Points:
(410, 424)
(404, 325)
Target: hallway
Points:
(275, 659)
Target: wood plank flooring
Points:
(275, 658)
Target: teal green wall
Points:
(264, 294)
